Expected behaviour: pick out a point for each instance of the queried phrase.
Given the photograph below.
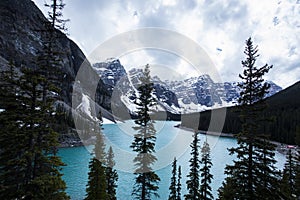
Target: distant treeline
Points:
(283, 113)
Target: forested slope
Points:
(283, 112)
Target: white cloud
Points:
(219, 27)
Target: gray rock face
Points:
(110, 72)
(123, 86)
(21, 41)
(181, 96)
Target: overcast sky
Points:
(220, 27)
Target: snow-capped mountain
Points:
(110, 71)
(123, 86)
(181, 96)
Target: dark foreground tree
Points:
(11, 157)
(193, 182)
(297, 178)
(146, 181)
(111, 175)
(175, 185)
(172, 188)
(253, 174)
(31, 170)
(206, 176)
(97, 181)
(178, 189)
(288, 182)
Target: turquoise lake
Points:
(171, 142)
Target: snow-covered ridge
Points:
(180, 96)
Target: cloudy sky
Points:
(219, 27)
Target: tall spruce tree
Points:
(12, 156)
(97, 180)
(288, 181)
(37, 171)
(32, 166)
(178, 189)
(49, 60)
(172, 188)
(146, 181)
(268, 174)
(43, 166)
(111, 175)
(46, 163)
(297, 178)
(206, 176)
(253, 174)
(193, 182)
(175, 185)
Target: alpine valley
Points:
(21, 42)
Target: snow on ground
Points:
(107, 121)
(130, 105)
(223, 104)
(99, 69)
(84, 106)
(192, 107)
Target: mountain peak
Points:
(176, 96)
(110, 71)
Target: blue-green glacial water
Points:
(171, 142)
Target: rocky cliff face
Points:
(176, 96)
(124, 85)
(21, 42)
(110, 72)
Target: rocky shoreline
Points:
(230, 135)
(72, 139)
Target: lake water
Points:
(171, 142)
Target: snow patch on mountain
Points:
(85, 107)
(193, 94)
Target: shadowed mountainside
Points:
(283, 111)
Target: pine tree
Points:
(206, 176)
(111, 175)
(146, 181)
(226, 191)
(268, 175)
(297, 156)
(288, 185)
(97, 181)
(11, 154)
(49, 60)
(290, 182)
(297, 178)
(178, 189)
(172, 188)
(47, 165)
(193, 182)
(175, 185)
(253, 174)
(43, 177)
(35, 166)
(55, 15)
(33, 161)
